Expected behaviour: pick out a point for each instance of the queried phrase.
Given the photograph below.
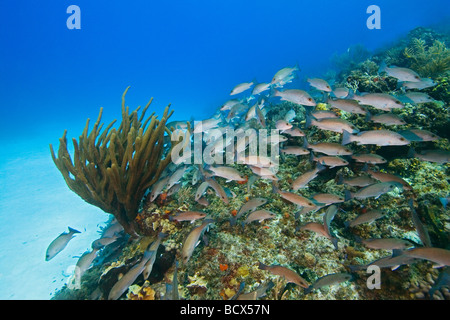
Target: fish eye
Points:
(397, 102)
(402, 139)
(309, 99)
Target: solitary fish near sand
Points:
(57, 245)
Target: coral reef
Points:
(112, 169)
(229, 254)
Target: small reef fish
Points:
(319, 84)
(422, 84)
(260, 116)
(296, 96)
(320, 230)
(83, 264)
(419, 97)
(102, 242)
(377, 137)
(201, 190)
(257, 161)
(438, 156)
(323, 114)
(191, 216)
(260, 87)
(259, 215)
(360, 181)
(329, 280)
(347, 105)
(373, 191)
(228, 173)
(229, 104)
(176, 176)
(330, 161)
(388, 119)
(341, 92)
(370, 158)
(402, 74)
(296, 198)
(328, 217)
(57, 245)
(328, 198)
(419, 135)
(440, 256)
(154, 249)
(264, 173)
(380, 101)
(241, 88)
(284, 76)
(205, 125)
(283, 125)
(158, 188)
(367, 217)
(259, 292)
(421, 229)
(250, 205)
(387, 243)
(128, 278)
(289, 116)
(329, 148)
(294, 132)
(192, 240)
(220, 192)
(386, 177)
(332, 124)
(302, 180)
(289, 275)
(396, 260)
(295, 150)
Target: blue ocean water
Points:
(187, 53)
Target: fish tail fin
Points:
(411, 153)
(72, 230)
(275, 186)
(262, 266)
(305, 142)
(312, 157)
(340, 179)
(309, 289)
(162, 235)
(348, 195)
(444, 202)
(368, 116)
(308, 120)
(382, 67)
(334, 241)
(320, 166)
(358, 239)
(346, 137)
(325, 96)
(232, 221)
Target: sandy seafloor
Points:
(35, 207)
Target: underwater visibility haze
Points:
(244, 150)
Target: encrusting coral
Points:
(113, 169)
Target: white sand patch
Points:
(35, 207)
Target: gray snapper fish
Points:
(192, 240)
(377, 137)
(329, 280)
(373, 191)
(57, 245)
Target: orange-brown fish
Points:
(289, 275)
(440, 256)
(192, 240)
(296, 198)
(191, 216)
(302, 180)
